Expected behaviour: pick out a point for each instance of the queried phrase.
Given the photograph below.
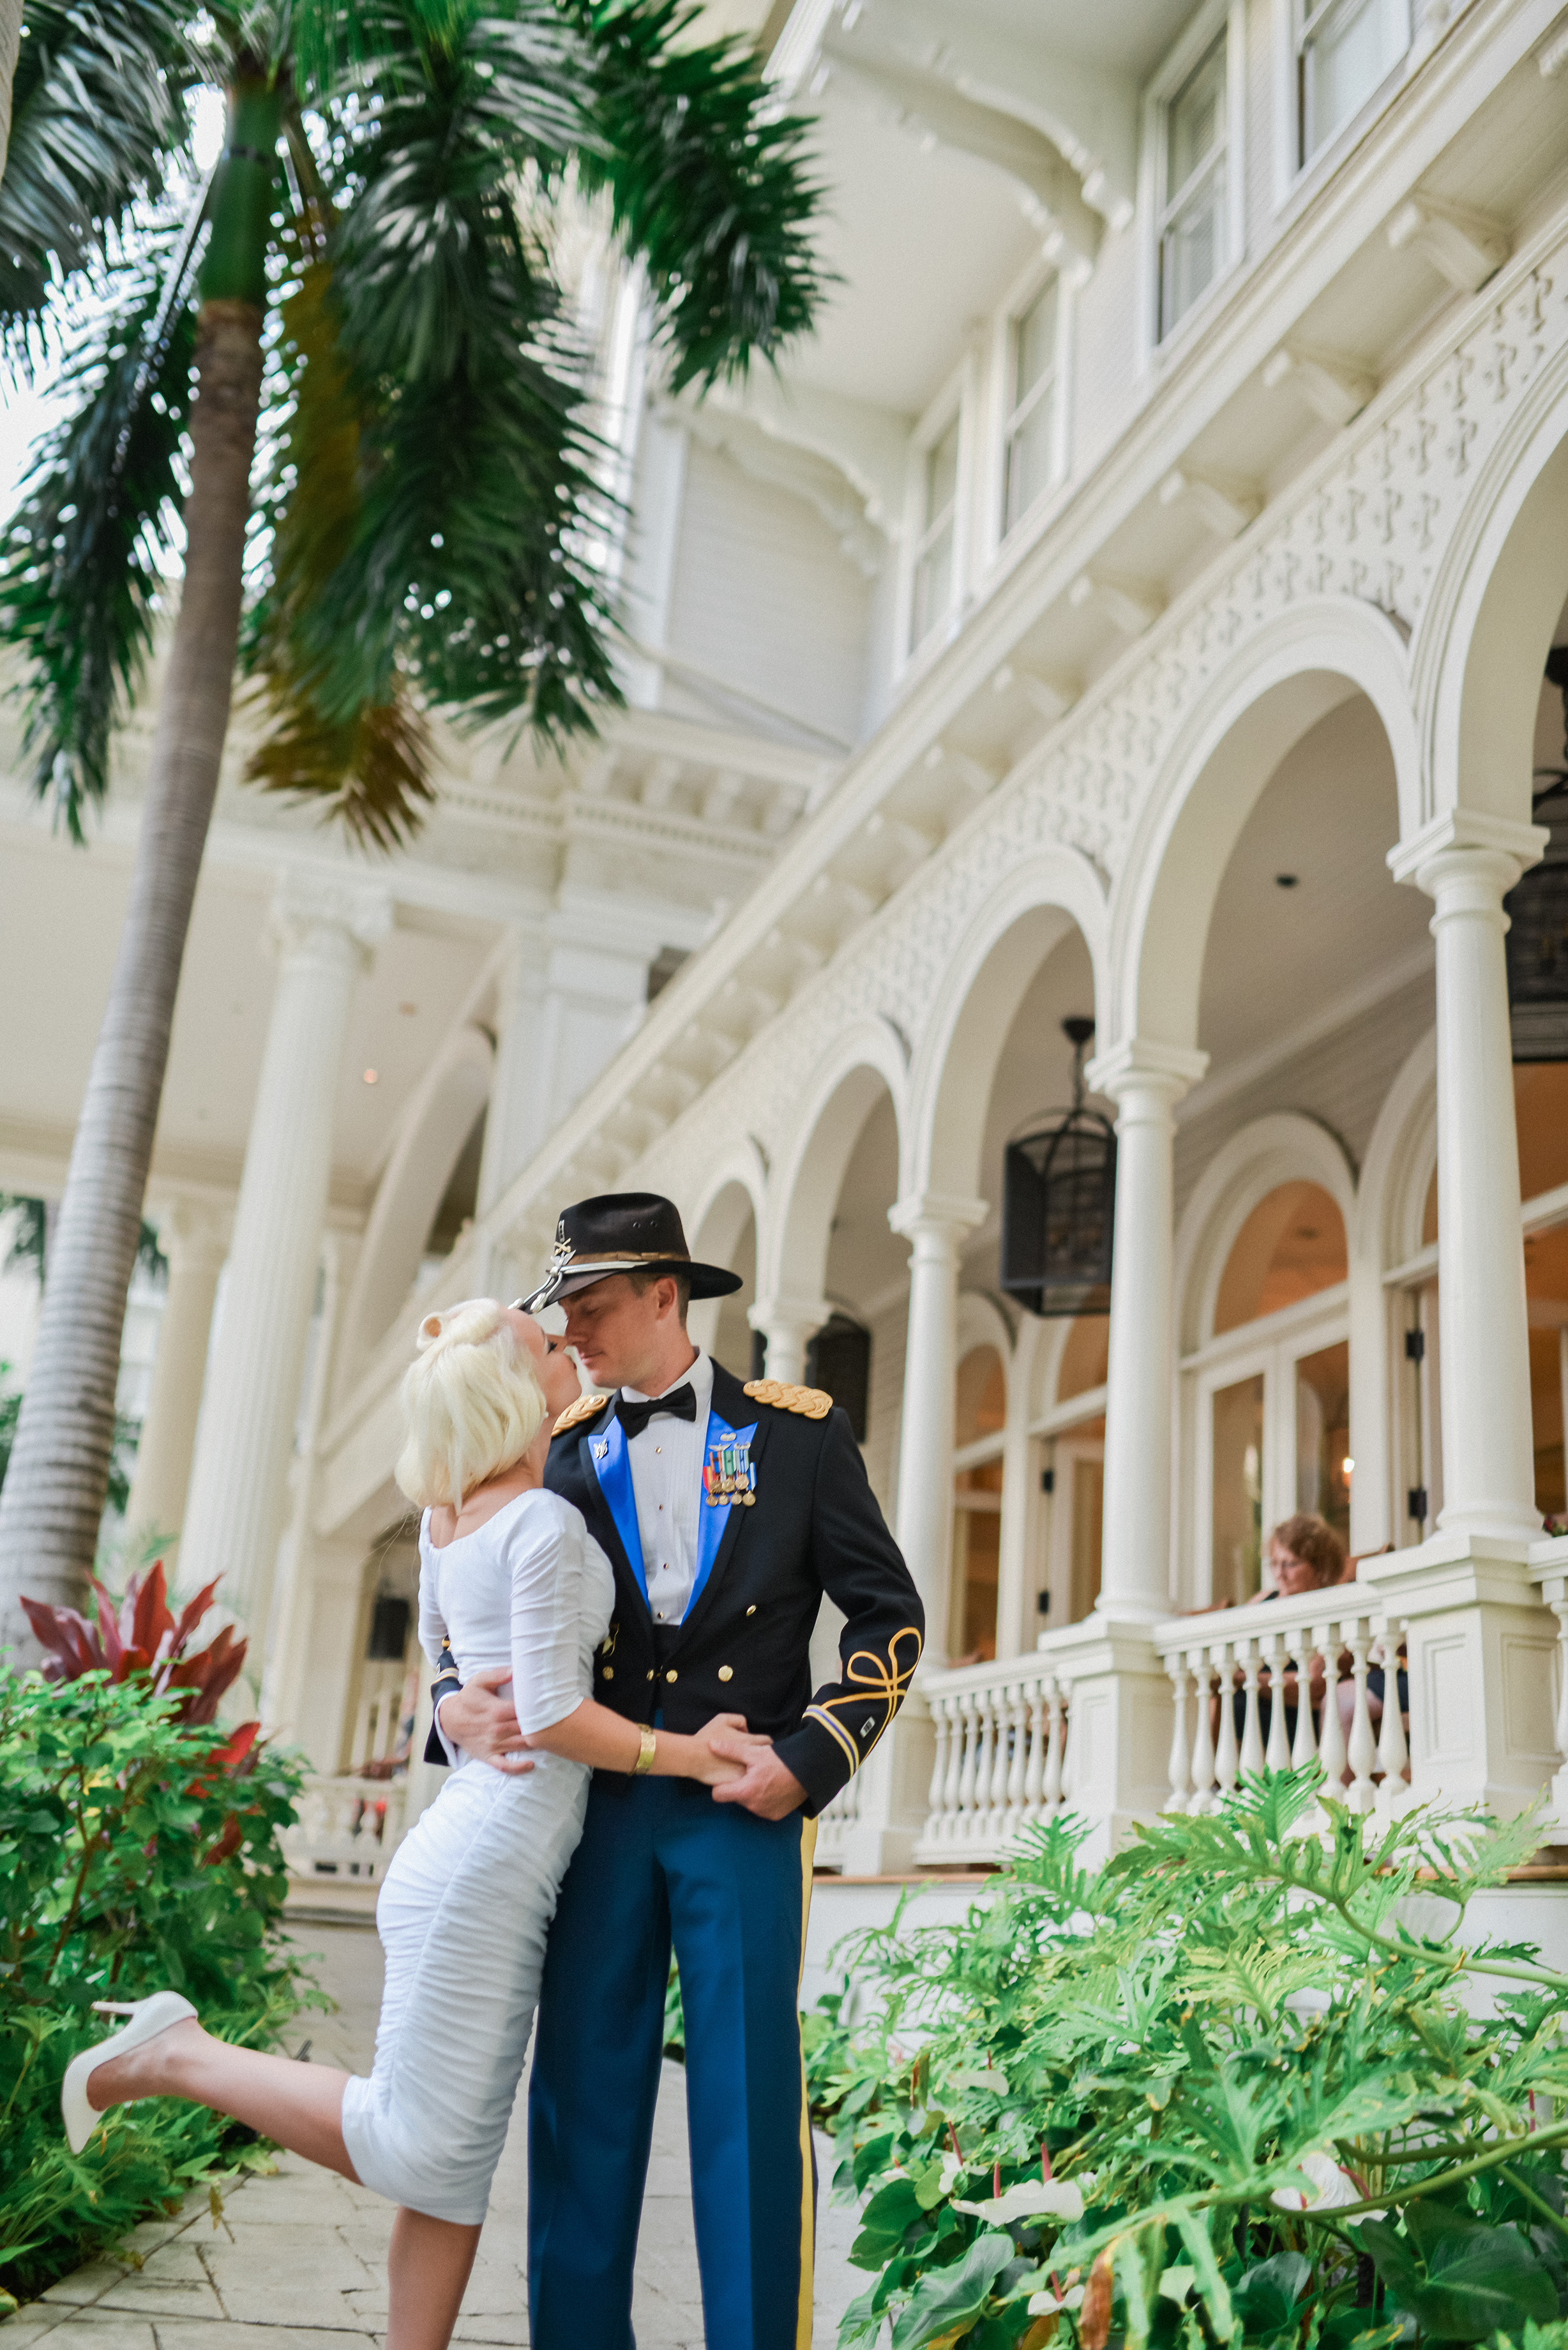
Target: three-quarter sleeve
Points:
(432, 1623)
(547, 1554)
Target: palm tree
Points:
(369, 267)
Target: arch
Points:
(1401, 1154)
(1281, 682)
(1284, 1147)
(435, 1127)
(716, 1236)
(960, 1044)
(1492, 612)
(981, 1323)
(865, 1062)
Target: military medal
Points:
(728, 1476)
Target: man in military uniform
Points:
(727, 1512)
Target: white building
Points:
(1134, 605)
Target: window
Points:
(1030, 458)
(1194, 195)
(934, 579)
(1344, 49)
(1272, 1386)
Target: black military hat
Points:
(622, 1231)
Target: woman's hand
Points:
(717, 1769)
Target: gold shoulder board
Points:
(575, 1413)
(812, 1403)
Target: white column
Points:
(1146, 1080)
(323, 929)
(1466, 864)
(517, 1120)
(936, 1226)
(194, 1239)
(788, 1325)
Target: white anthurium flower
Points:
(1045, 2305)
(952, 2172)
(1333, 2187)
(1031, 2198)
(976, 2076)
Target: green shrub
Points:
(1219, 2091)
(136, 1852)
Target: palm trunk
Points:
(10, 43)
(53, 1497)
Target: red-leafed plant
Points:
(142, 1636)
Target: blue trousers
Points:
(662, 1863)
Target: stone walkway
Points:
(300, 2258)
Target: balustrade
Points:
(1232, 1668)
(1001, 1756)
(348, 1828)
(835, 1823)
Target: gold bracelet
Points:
(645, 1752)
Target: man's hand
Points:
(766, 1786)
(731, 1746)
(484, 1724)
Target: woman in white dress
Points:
(511, 1576)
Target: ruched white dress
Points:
(466, 1904)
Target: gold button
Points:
(750, 1611)
(651, 1675)
(610, 1672)
(725, 1674)
(672, 1675)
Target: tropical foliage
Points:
(140, 1639)
(435, 480)
(369, 282)
(136, 1850)
(1245, 2084)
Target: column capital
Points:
(190, 1230)
(1140, 1061)
(936, 1215)
(309, 902)
(1491, 846)
(779, 1312)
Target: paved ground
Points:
(300, 2258)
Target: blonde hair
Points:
(472, 1403)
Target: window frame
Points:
(1021, 297)
(1271, 1346)
(1217, 20)
(1294, 167)
(953, 403)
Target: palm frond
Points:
(466, 570)
(711, 183)
(83, 558)
(369, 768)
(98, 127)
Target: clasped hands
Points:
(748, 1771)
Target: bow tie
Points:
(633, 1416)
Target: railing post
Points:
(1180, 1753)
(1204, 1736)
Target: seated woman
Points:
(511, 1576)
(1305, 1554)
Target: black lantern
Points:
(1537, 909)
(1058, 1204)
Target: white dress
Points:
(466, 1906)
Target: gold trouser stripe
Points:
(807, 2200)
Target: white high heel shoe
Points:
(148, 2017)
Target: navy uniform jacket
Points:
(743, 1646)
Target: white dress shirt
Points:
(666, 1459)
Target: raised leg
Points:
(300, 2106)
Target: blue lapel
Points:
(607, 1452)
(714, 1524)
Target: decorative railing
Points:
(1002, 1756)
(835, 1822)
(348, 1828)
(1230, 1669)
